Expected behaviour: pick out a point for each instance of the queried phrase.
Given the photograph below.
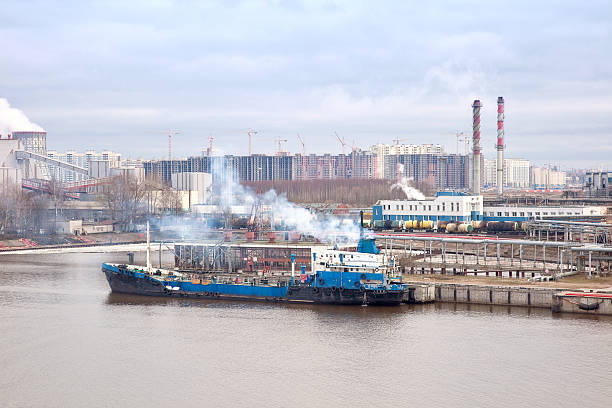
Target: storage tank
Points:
(395, 225)
(495, 226)
(407, 225)
(477, 225)
(426, 225)
(451, 227)
(378, 225)
(442, 225)
(465, 228)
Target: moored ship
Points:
(336, 277)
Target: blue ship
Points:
(340, 277)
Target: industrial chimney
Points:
(476, 146)
(500, 146)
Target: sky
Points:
(118, 74)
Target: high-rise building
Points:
(81, 160)
(516, 173)
(547, 178)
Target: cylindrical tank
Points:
(427, 225)
(477, 225)
(395, 225)
(451, 227)
(501, 226)
(465, 228)
(378, 225)
(442, 225)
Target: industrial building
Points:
(454, 206)
(598, 183)
(445, 206)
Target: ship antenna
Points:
(148, 248)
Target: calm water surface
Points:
(67, 342)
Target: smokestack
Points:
(500, 146)
(476, 146)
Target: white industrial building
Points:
(453, 206)
(195, 185)
(445, 206)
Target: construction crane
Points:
(341, 140)
(210, 144)
(279, 141)
(459, 135)
(170, 133)
(251, 133)
(303, 145)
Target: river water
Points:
(67, 342)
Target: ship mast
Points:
(148, 248)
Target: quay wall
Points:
(558, 300)
(494, 295)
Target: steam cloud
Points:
(404, 185)
(14, 120)
(227, 192)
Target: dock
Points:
(585, 301)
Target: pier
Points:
(558, 300)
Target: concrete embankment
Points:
(597, 302)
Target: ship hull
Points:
(135, 283)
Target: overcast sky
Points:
(113, 75)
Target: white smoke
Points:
(14, 120)
(228, 192)
(404, 185)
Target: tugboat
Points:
(340, 277)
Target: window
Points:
(522, 213)
(529, 214)
(429, 208)
(438, 207)
(499, 213)
(507, 213)
(452, 206)
(514, 213)
(538, 213)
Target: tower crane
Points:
(341, 140)
(170, 133)
(279, 141)
(251, 133)
(210, 144)
(303, 145)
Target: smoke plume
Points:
(404, 185)
(14, 120)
